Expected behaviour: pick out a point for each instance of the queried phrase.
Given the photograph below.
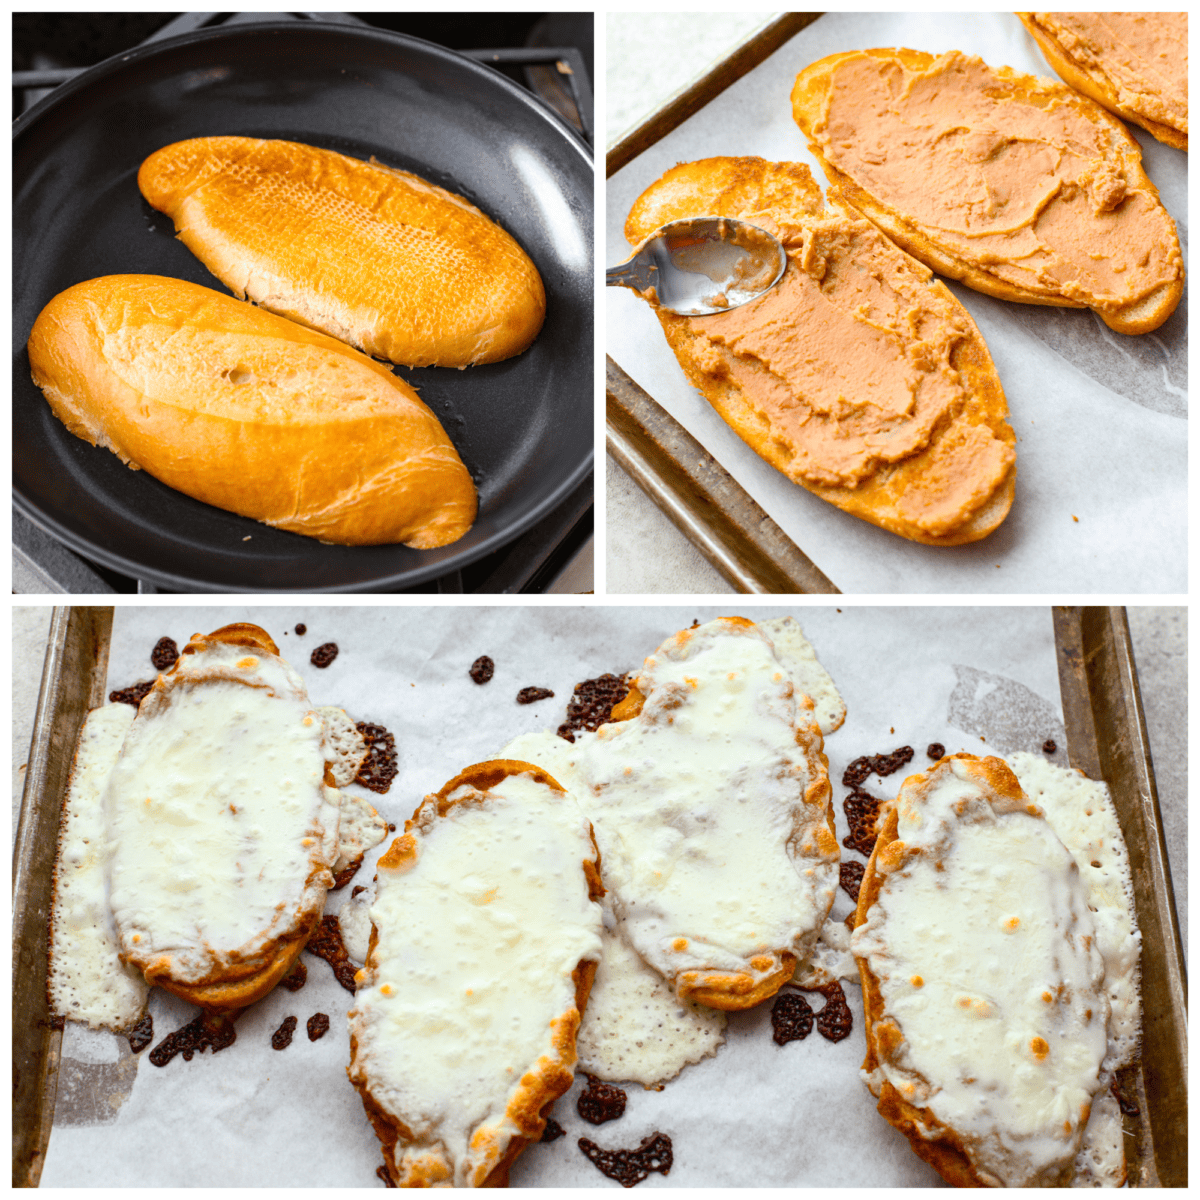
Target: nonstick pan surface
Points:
(523, 427)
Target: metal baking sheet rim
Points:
(1101, 710)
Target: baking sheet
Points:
(1100, 418)
(249, 1115)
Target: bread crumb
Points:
(247, 537)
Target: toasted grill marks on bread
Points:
(1019, 188)
(711, 804)
(982, 988)
(374, 256)
(221, 823)
(249, 412)
(483, 949)
(859, 376)
(1134, 64)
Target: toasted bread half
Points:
(1017, 187)
(983, 992)
(731, 763)
(222, 823)
(1095, 58)
(485, 936)
(375, 256)
(859, 376)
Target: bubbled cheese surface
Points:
(710, 847)
(219, 825)
(476, 943)
(984, 949)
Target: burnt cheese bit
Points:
(324, 654)
(379, 768)
(791, 1018)
(835, 1020)
(142, 1034)
(862, 809)
(1049, 746)
(301, 630)
(876, 764)
(318, 1027)
(281, 1039)
(57, 1022)
(936, 750)
(361, 887)
(134, 694)
(212, 1032)
(850, 877)
(164, 654)
(482, 669)
(630, 1167)
(385, 1175)
(600, 1102)
(1127, 1106)
(531, 695)
(326, 942)
(592, 704)
(552, 1132)
(297, 978)
(344, 876)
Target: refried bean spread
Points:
(1142, 55)
(847, 361)
(1002, 171)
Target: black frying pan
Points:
(523, 427)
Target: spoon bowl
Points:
(702, 265)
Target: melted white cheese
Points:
(476, 943)
(87, 980)
(707, 842)
(983, 945)
(220, 829)
(811, 679)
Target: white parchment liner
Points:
(756, 1114)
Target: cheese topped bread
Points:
(1016, 186)
(711, 808)
(859, 375)
(1135, 64)
(484, 942)
(377, 257)
(220, 826)
(983, 987)
(249, 412)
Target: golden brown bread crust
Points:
(1095, 85)
(249, 412)
(539, 1089)
(238, 985)
(897, 496)
(808, 97)
(375, 256)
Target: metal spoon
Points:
(702, 265)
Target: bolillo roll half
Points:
(249, 412)
(377, 257)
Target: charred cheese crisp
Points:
(711, 808)
(983, 985)
(1018, 187)
(484, 943)
(220, 826)
(859, 376)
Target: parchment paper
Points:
(756, 1114)
(1100, 418)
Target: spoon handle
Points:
(636, 274)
